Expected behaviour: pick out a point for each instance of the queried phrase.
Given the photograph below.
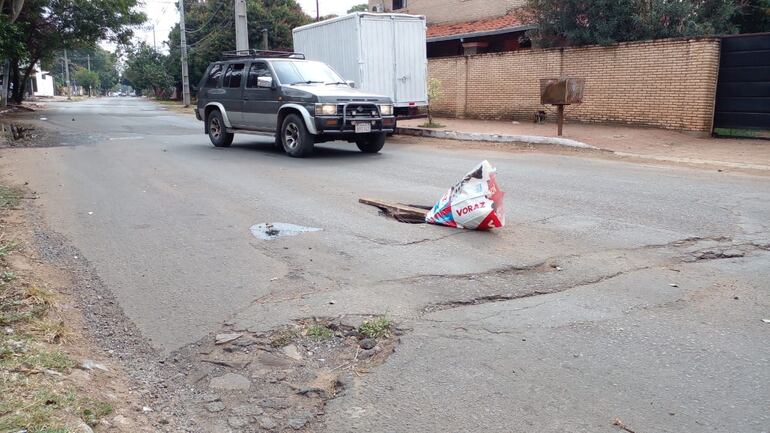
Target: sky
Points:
(163, 15)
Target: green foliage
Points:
(91, 411)
(210, 31)
(86, 78)
(145, 70)
(7, 276)
(753, 16)
(434, 92)
(49, 26)
(10, 39)
(604, 22)
(379, 327)
(319, 332)
(363, 7)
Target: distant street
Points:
(616, 290)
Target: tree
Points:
(210, 31)
(434, 92)
(753, 16)
(48, 26)
(363, 7)
(101, 61)
(604, 22)
(87, 79)
(145, 70)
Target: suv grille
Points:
(362, 110)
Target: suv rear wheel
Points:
(217, 131)
(296, 139)
(371, 143)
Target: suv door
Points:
(210, 85)
(260, 104)
(232, 95)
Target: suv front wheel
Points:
(371, 143)
(217, 131)
(296, 139)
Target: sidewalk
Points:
(624, 141)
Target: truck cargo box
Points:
(382, 53)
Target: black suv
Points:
(297, 101)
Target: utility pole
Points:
(317, 11)
(241, 26)
(154, 45)
(90, 86)
(183, 46)
(265, 43)
(67, 75)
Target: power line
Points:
(213, 15)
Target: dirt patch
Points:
(27, 130)
(53, 378)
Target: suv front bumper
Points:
(347, 125)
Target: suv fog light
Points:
(325, 109)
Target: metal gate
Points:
(743, 89)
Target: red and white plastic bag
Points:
(475, 203)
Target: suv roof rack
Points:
(241, 54)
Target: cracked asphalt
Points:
(618, 291)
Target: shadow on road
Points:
(322, 151)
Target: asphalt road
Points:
(626, 323)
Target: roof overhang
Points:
(514, 29)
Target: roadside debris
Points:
(618, 423)
(474, 203)
(404, 213)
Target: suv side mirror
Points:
(265, 82)
(351, 83)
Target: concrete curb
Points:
(493, 138)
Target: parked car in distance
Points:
(298, 102)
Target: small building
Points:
(466, 27)
(40, 83)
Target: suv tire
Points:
(217, 131)
(296, 140)
(371, 143)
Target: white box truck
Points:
(382, 53)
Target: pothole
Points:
(271, 231)
(281, 380)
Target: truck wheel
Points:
(297, 141)
(217, 131)
(371, 143)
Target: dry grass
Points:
(35, 396)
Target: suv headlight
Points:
(325, 109)
(386, 110)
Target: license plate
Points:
(363, 128)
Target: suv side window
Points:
(233, 75)
(213, 79)
(258, 69)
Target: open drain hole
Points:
(271, 231)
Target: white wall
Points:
(44, 82)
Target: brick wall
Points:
(446, 11)
(665, 83)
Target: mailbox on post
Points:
(561, 92)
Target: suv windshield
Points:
(306, 72)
